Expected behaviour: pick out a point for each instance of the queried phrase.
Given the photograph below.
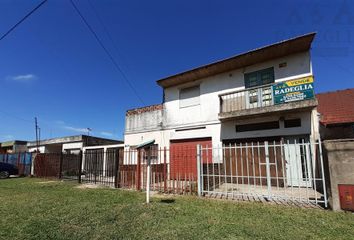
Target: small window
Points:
(257, 126)
(189, 97)
(252, 80)
(291, 123)
(259, 78)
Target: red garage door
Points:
(183, 155)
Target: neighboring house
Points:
(231, 101)
(336, 114)
(336, 110)
(14, 152)
(70, 144)
(15, 146)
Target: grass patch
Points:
(30, 209)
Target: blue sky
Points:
(52, 67)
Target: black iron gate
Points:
(100, 166)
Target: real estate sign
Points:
(294, 90)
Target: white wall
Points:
(206, 113)
(298, 65)
(228, 129)
(68, 146)
(33, 149)
(56, 148)
(146, 121)
(161, 137)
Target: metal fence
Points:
(100, 167)
(22, 161)
(170, 171)
(58, 165)
(284, 171)
(267, 171)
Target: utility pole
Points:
(36, 128)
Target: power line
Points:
(104, 27)
(15, 117)
(23, 19)
(6, 114)
(48, 125)
(107, 52)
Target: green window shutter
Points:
(251, 80)
(259, 78)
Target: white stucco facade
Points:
(174, 122)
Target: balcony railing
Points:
(246, 99)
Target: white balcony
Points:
(257, 101)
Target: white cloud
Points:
(7, 137)
(60, 122)
(107, 134)
(74, 129)
(23, 78)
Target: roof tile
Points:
(336, 107)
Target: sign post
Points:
(148, 173)
(293, 90)
(147, 147)
(199, 171)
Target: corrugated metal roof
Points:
(277, 50)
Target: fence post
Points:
(116, 170)
(95, 166)
(104, 167)
(148, 176)
(32, 163)
(165, 169)
(199, 175)
(323, 174)
(80, 165)
(61, 165)
(269, 182)
(18, 163)
(138, 170)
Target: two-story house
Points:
(232, 100)
(265, 94)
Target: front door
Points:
(183, 154)
(297, 153)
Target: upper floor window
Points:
(189, 96)
(259, 78)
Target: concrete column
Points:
(340, 155)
